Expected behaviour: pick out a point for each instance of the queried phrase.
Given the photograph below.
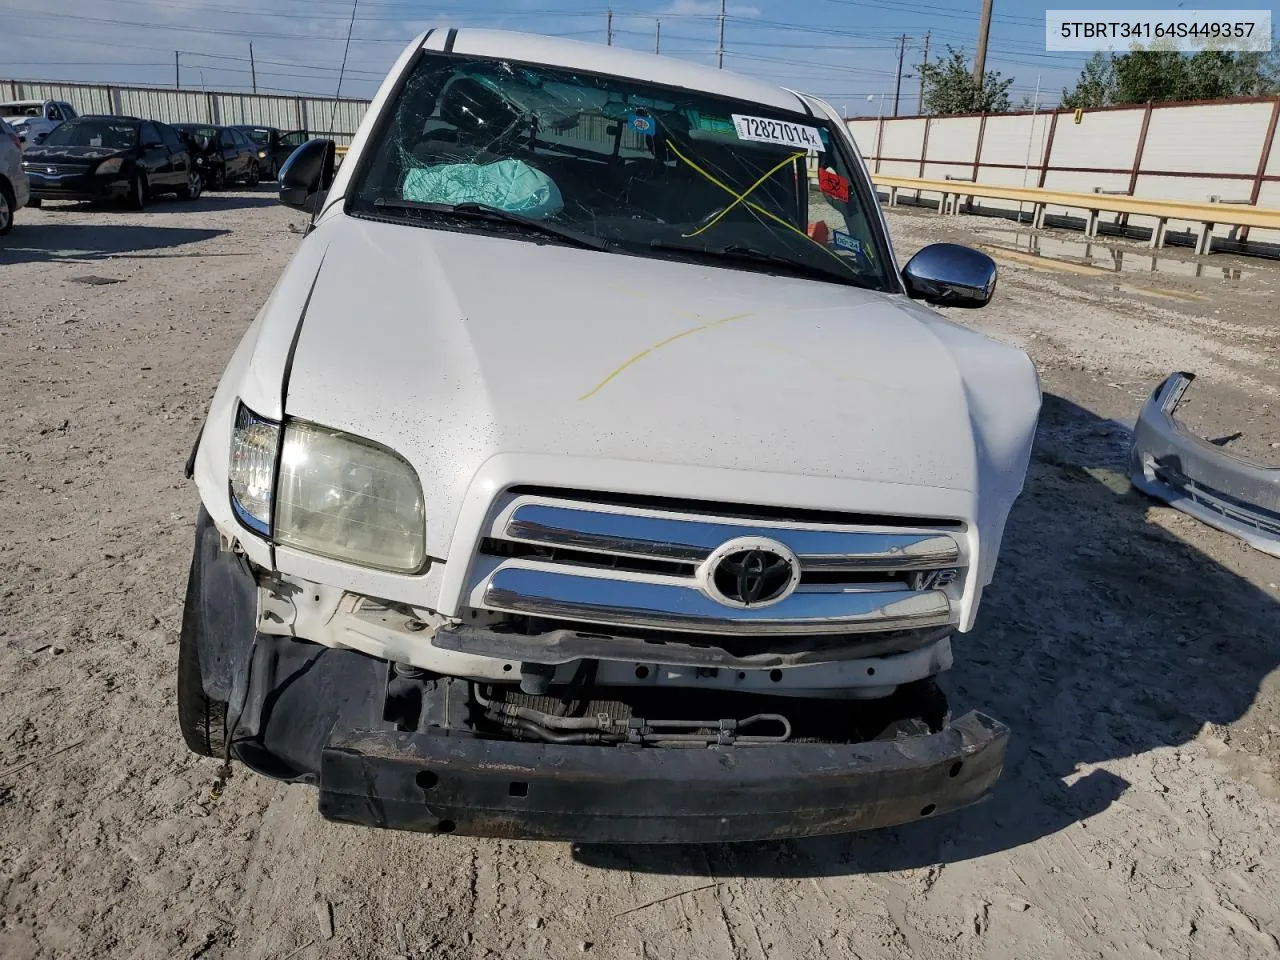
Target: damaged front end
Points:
(1200, 478)
(515, 726)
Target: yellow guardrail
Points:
(1207, 215)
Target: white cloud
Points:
(706, 8)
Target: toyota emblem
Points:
(750, 572)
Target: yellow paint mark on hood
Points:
(658, 346)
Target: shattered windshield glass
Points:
(549, 155)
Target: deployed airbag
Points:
(510, 185)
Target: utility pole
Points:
(897, 90)
(610, 27)
(720, 49)
(253, 68)
(177, 72)
(657, 40)
(923, 61)
(980, 58)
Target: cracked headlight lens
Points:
(254, 444)
(350, 499)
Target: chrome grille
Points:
(638, 566)
(55, 169)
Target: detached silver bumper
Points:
(1201, 479)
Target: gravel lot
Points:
(1133, 651)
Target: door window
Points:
(170, 137)
(150, 135)
(227, 139)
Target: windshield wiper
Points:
(737, 251)
(481, 211)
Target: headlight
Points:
(110, 166)
(349, 499)
(262, 154)
(254, 445)
(339, 496)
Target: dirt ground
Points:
(1133, 651)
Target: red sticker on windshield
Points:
(834, 185)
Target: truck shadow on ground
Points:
(1103, 637)
(53, 242)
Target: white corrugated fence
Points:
(317, 115)
(1218, 151)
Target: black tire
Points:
(194, 187)
(218, 179)
(35, 202)
(137, 198)
(255, 176)
(8, 207)
(202, 720)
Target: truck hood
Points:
(454, 347)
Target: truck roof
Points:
(614, 61)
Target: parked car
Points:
(593, 421)
(223, 154)
(111, 158)
(13, 181)
(274, 147)
(33, 119)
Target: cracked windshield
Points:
(621, 165)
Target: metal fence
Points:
(1219, 151)
(319, 116)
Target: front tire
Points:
(137, 198)
(194, 187)
(202, 719)
(7, 208)
(218, 179)
(34, 202)
(255, 175)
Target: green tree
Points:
(1164, 75)
(1096, 86)
(949, 87)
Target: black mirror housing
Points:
(951, 275)
(307, 173)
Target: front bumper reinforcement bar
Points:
(439, 783)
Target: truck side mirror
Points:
(307, 174)
(950, 275)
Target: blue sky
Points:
(843, 50)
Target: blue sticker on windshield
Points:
(641, 124)
(844, 241)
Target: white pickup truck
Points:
(593, 472)
(33, 120)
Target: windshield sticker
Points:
(844, 241)
(641, 124)
(834, 185)
(763, 130)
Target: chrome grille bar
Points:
(691, 540)
(544, 590)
